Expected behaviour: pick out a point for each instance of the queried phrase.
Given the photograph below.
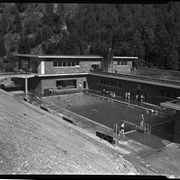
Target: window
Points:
(124, 62)
(138, 86)
(109, 83)
(168, 94)
(59, 63)
(174, 94)
(66, 84)
(68, 63)
(162, 92)
(64, 63)
(55, 64)
(73, 63)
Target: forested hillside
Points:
(149, 31)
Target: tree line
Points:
(149, 31)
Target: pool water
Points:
(109, 113)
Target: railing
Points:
(164, 81)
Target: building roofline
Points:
(145, 81)
(54, 75)
(58, 56)
(124, 57)
(71, 56)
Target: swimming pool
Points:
(102, 110)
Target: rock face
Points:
(33, 141)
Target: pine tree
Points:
(24, 47)
(2, 47)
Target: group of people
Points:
(121, 127)
(111, 93)
(127, 95)
(138, 97)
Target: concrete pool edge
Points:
(123, 102)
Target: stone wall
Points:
(50, 82)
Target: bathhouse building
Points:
(54, 74)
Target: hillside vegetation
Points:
(149, 31)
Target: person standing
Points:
(142, 121)
(122, 128)
(126, 95)
(137, 96)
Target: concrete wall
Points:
(34, 84)
(84, 66)
(150, 91)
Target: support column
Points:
(26, 85)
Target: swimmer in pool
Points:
(95, 110)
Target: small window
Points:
(119, 84)
(73, 63)
(55, 64)
(77, 63)
(59, 63)
(64, 63)
(114, 83)
(101, 81)
(168, 93)
(68, 63)
(174, 94)
(162, 92)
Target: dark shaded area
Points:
(105, 137)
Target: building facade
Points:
(65, 74)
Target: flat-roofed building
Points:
(60, 73)
(65, 72)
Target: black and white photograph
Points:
(90, 89)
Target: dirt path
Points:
(33, 142)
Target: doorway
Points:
(84, 84)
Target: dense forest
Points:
(149, 31)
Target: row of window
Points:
(168, 93)
(65, 63)
(66, 84)
(110, 83)
(121, 62)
